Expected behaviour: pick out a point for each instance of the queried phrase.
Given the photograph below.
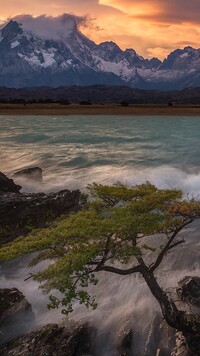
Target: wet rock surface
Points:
(126, 343)
(8, 185)
(189, 290)
(12, 301)
(53, 340)
(33, 173)
(181, 346)
(13, 306)
(160, 339)
(20, 212)
(186, 346)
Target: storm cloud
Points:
(50, 27)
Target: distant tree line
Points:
(41, 101)
(34, 101)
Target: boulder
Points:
(12, 302)
(8, 185)
(34, 174)
(21, 212)
(189, 290)
(14, 310)
(53, 340)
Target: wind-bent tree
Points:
(109, 234)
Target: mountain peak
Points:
(45, 51)
(11, 30)
(109, 45)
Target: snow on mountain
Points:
(27, 59)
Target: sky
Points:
(151, 27)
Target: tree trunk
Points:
(188, 324)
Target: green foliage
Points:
(108, 230)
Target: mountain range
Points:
(30, 60)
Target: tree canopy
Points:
(109, 234)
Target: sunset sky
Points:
(151, 27)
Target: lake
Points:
(76, 150)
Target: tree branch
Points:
(168, 245)
(122, 272)
(176, 243)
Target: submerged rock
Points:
(20, 212)
(53, 340)
(33, 173)
(189, 290)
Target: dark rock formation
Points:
(12, 301)
(34, 173)
(189, 290)
(181, 346)
(186, 346)
(7, 185)
(126, 344)
(53, 340)
(13, 307)
(161, 338)
(19, 213)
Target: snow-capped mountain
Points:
(28, 60)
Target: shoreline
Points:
(97, 109)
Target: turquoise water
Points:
(75, 150)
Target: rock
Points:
(126, 343)
(186, 346)
(8, 185)
(181, 346)
(189, 290)
(161, 338)
(193, 344)
(21, 212)
(12, 301)
(14, 310)
(53, 340)
(34, 173)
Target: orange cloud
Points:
(137, 8)
(151, 27)
(161, 10)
